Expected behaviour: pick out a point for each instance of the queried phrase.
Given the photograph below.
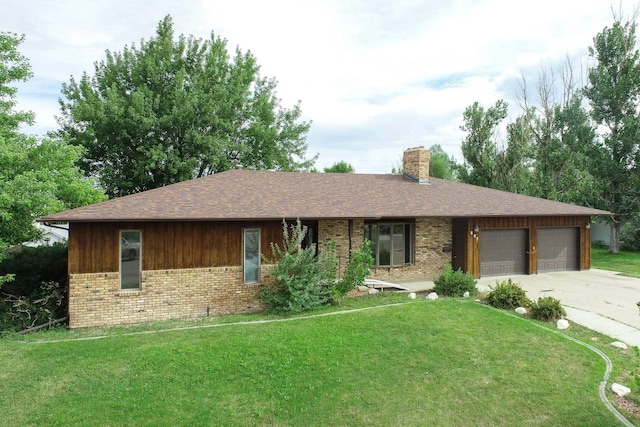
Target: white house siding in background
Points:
(50, 235)
(600, 231)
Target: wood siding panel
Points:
(459, 244)
(94, 247)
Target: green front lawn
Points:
(447, 363)
(626, 262)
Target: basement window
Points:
(130, 259)
(251, 255)
(392, 243)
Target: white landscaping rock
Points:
(620, 390)
(432, 296)
(466, 294)
(619, 344)
(373, 291)
(521, 310)
(412, 295)
(562, 324)
(363, 288)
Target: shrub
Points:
(357, 269)
(301, 281)
(630, 236)
(33, 266)
(454, 283)
(547, 309)
(507, 295)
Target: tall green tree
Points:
(614, 95)
(14, 67)
(172, 109)
(489, 161)
(340, 167)
(480, 146)
(441, 165)
(36, 177)
(561, 139)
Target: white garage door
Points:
(558, 249)
(503, 252)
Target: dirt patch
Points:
(628, 406)
(354, 293)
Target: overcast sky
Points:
(374, 76)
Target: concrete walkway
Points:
(600, 300)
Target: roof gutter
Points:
(48, 224)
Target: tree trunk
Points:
(614, 236)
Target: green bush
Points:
(301, 281)
(33, 266)
(507, 295)
(454, 283)
(630, 236)
(547, 309)
(357, 269)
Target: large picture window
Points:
(251, 255)
(130, 259)
(392, 243)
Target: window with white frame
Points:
(391, 243)
(130, 259)
(251, 255)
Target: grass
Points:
(446, 362)
(626, 262)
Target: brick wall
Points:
(432, 235)
(337, 231)
(96, 299)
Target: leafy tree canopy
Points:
(172, 109)
(562, 141)
(614, 95)
(36, 177)
(340, 167)
(487, 161)
(441, 165)
(14, 67)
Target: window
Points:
(251, 255)
(130, 259)
(392, 243)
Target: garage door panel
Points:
(558, 249)
(503, 252)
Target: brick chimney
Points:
(415, 164)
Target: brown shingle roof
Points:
(246, 194)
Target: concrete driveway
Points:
(598, 299)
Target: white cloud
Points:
(375, 76)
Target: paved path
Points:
(611, 328)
